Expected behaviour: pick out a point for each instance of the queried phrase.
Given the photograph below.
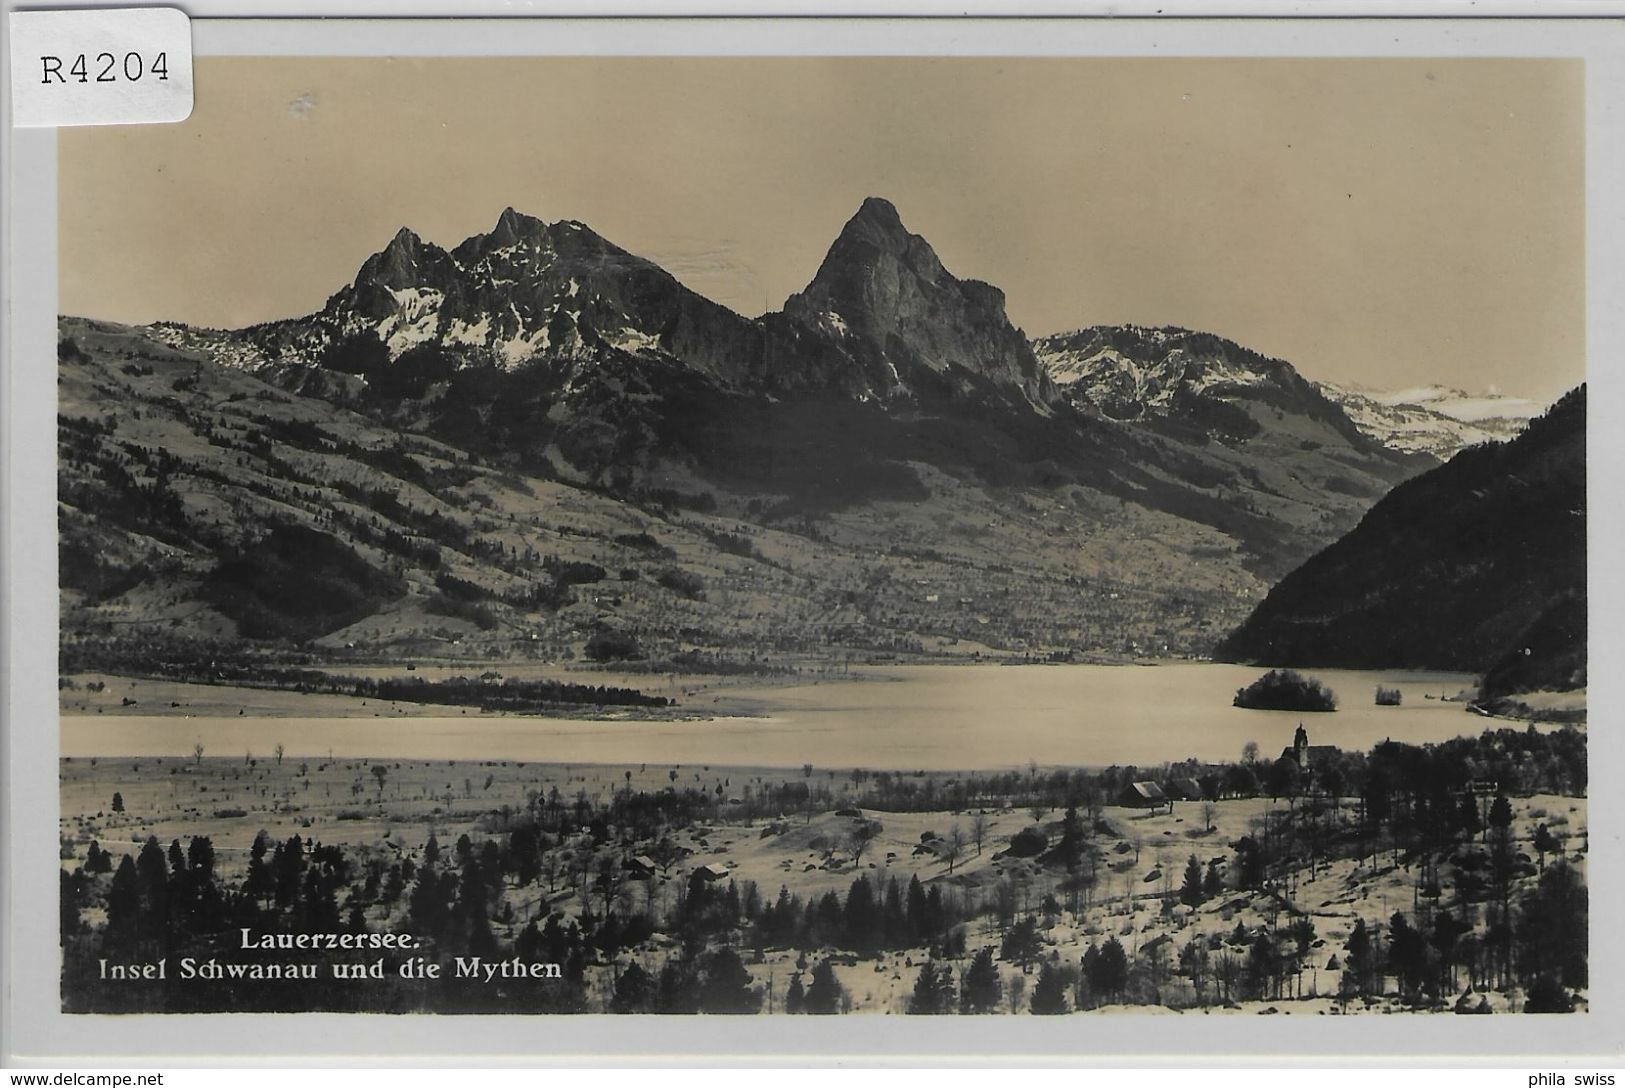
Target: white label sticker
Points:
(115, 66)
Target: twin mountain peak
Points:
(881, 320)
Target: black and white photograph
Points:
(827, 535)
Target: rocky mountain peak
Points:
(512, 230)
(396, 265)
(874, 243)
(513, 227)
(406, 264)
(877, 222)
(884, 294)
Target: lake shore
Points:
(932, 717)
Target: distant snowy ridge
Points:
(1432, 419)
(1137, 373)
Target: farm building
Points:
(1142, 795)
(641, 867)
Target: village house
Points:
(1143, 795)
(641, 867)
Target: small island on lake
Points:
(1285, 689)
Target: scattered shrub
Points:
(683, 583)
(613, 646)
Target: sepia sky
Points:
(1390, 222)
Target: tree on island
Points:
(1285, 689)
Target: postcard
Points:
(975, 520)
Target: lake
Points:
(928, 717)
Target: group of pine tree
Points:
(1484, 916)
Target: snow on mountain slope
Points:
(1467, 407)
(882, 321)
(1173, 376)
(1136, 374)
(1432, 419)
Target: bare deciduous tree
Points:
(611, 878)
(859, 838)
(978, 830)
(1015, 993)
(956, 845)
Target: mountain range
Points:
(886, 464)
(881, 320)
